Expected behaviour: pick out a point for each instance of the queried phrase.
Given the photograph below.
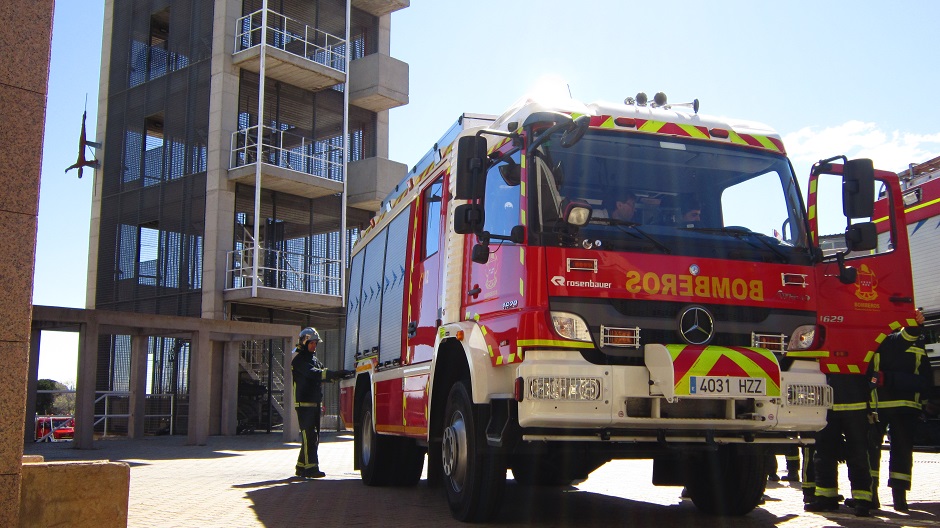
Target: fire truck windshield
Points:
(668, 195)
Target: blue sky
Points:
(836, 77)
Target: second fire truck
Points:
(502, 316)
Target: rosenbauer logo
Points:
(558, 280)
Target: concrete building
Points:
(245, 142)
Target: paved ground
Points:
(247, 481)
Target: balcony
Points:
(378, 82)
(380, 7)
(283, 279)
(296, 53)
(371, 180)
(290, 163)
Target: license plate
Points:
(722, 385)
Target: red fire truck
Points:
(921, 186)
(508, 311)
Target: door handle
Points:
(412, 328)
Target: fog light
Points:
(571, 389)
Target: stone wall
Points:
(26, 41)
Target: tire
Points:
(474, 474)
(374, 451)
(728, 481)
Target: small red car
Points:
(60, 427)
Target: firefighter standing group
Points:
(889, 398)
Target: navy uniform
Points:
(308, 375)
(845, 437)
(902, 375)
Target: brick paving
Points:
(245, 481)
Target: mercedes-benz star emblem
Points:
(696, 325)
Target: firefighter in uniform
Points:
(848, 419)
(901, 374)
(308, 375)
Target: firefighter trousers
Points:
(853, 426)
(308, 419)
(901, 426)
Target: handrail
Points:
(105, 396)
(290, 151)
(291, 36)
(282, 270)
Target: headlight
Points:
(571, 326)
(802, 338)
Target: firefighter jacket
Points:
(903, 372)
(850, 392)
(309, 374)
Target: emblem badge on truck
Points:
(696, 325)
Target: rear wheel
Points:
(728, 481)
(474, 474)
(375, 452)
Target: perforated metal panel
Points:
(372, 281)
(394, 280)
(353, 305)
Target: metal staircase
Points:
(254, 359)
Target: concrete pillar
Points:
(32, 385)
(138, 386)
(200, 374)
(229, 404)
(85, 385)
(24, 75)
(95, 220)
(220, 193)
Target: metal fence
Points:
(283, 270)
(292, 36)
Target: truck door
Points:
(854, 316)
(424, 303)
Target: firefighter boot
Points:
(809, 494)
(862, 508)
(900, 499)
(793, 471)
(821, 504)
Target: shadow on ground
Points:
(348, 501)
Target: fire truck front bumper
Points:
(562, 392)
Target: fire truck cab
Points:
(571, 283)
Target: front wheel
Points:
(728, 481)
(474, 474)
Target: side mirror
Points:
(575, 132)
(861, 237)
(471, 168)
(468, 218)
(517, 235)
(480, 253)
(858, 188)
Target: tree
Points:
(64, 403)
(45, 400)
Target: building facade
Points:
(245, 142)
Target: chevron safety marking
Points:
(735, 362)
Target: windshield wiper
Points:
(634, 226)
(742, 233)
